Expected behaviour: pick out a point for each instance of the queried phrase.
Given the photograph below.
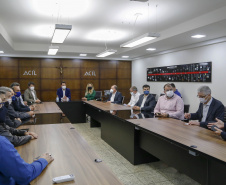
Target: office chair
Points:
(123, 98)
(98, 95)
(186, 108)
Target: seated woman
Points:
(90, 92)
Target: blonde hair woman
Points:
(90, 92)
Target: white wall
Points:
(215, 53)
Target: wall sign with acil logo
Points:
(31, 73)
(90, 73)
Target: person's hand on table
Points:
(187, 115)
(37, 101)
(84, 99)
(128, 105)
(196, 123)
(108, 102)
(136, 108)
(136, 112)
(164, 115)
(218, 131)
(32, 134)
(47, 157)
(32, 108)
(18, 119)
(31, 113)
(218, 123)
(25, 102)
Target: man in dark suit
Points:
(209, 109)
(146, 101)
(64, 93)
(115, 96)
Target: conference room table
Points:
(193, 150)
(46, 108)
(71, 153)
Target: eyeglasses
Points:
(202, 96)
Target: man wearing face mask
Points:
(30, 94)
(209, 109)
(146, 101)
(18, 101)
(64, 93)
(16, 137)
(169, 105)
(134, 96)
(15, 122)
(115, 96)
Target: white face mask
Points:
(111, 90)
(9, 100)
(64, 87)
(32, 88)
(170, 94)
(131, 93)
(202, 100)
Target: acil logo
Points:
(90, 73)
(30, 73)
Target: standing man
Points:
(146, 101)
(115, 96)
(209, 109)
(134, 96)
(30, 94)
(175, 90)
(169, 105)
(64, 93)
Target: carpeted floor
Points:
(157, 173)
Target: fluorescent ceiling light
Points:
(198, 36)
(60, 33)
(151, 49)
(83, 55)
(53, 50)
(125, 56)
(1, 51)
(140, 40)
(106, 53)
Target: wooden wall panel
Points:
(76, 72)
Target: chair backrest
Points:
(123, 97)
(186, 108)
(22, 96)
(98, 95)
(224, 114)
(154, 95)
(162, 94)
(106, 92)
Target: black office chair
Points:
(154, 95)
(123, 98)
(162, 94)
(186, 108)
(98, 95)
(224, 114)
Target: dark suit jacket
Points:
(149, 104)
(18, 106)
(216, 110)
(67, 93)
(14, 114)
(118, 98)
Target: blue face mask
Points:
(3, 112)
(18, 94)
(146, 92)
(13, 98)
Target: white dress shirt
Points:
(134, 99)
(113, 97)
(205, 110)
(144, 100)
(33, 94)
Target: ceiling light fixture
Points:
(125, 56)
(83, 55)
(1, 51)
(198, 36)
(60, 33)
(151, 49)
(107, 53)
(140, 40)
(53, 50)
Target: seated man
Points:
(16, 137)
(146, 101)
(18, 101)
(64, 93)
(175, 90)
(134, 96)
(169, 105)
(15, 122)
(115, 96)
(14, 170)
(209, 109)
(30, 94)
(221, 128)
(15, 114)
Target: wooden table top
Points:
(72, 155)
(47, 108)
(107, 106)
(206, 140)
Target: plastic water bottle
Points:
(57, 99)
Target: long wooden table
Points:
(72, 155)
(47, 108)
